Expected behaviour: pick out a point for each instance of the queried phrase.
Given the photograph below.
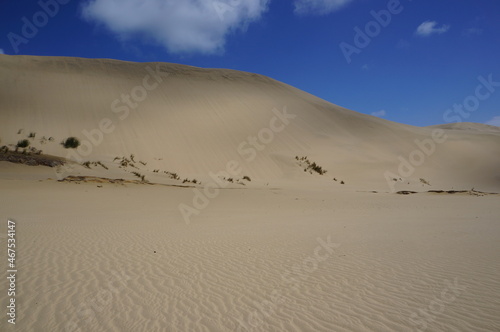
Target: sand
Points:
(283, 250)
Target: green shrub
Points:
(71, 143)
(23, 143)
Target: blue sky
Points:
(419, 62)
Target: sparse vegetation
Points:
(140, 176)
(341, 182)
(71, 143)
(30, 157)
(310, 167)
(32, 135)
(34, 150)
(94, 163)
(125, 162)
(172, 175)
(102, 165)
(406, 192)
(23, 143)
(424, 181)
(247, 178)
(186, 180)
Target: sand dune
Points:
(281, 250)
(193, 121)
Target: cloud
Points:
(365, 67)
(472, 31)
(318, 7)
(494, 122)
(430, 27)
(1, 51)
(187, 26)
(380, 113)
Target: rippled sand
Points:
(120, 258)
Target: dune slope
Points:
(194, 121)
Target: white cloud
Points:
(365, 67)
(494, 122)
(186, 26)
(431, 27)
(380, 113)
(318, 7)
(1, 51)
(472, 31)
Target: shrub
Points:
(424, 181)
(172, 175)
(23, 143)
(247, 178)
(101, 164)
(310, 166)
(71, 143)
(32, 135)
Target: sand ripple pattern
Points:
(152, 278)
